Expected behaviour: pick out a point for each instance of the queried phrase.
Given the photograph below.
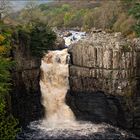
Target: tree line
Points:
(114, 16)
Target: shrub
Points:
(42, 38)
(135, 11)
(106, 15)
(124, 24)
(8, 124)
(91, 18)
(38, 38)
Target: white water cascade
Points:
(54, 85)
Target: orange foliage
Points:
(2, 38)
(2, 49)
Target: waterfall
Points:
(54, 85)
(59, 121)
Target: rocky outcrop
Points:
(26, 96)
(59, 44)
(96, 107)
(104, 80)
(109, 59)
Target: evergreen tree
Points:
(42, 39)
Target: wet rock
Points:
(94, 30)
(67, 34)
(87, 131)
(96, 107)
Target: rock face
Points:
(59, 44)
(104, 80)
(26, 96)
(96, 107)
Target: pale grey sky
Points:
(19, 4)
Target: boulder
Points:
(67, 34)
(59, 43)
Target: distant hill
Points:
(85, 14)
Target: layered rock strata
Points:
(104, 79)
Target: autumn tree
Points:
(8, 124)
(4, 8)
(31, 13)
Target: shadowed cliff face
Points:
(26, 95)
(104, 80)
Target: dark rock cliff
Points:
(104, 80)
(25, 94)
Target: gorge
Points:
(88, 99)
(70, 69)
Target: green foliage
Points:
(30, 16)
(5, 65)
(4, 42)
(107, 15)
(65, 7)
(62, 9)
(8, 124)
(137, 29)
(135, 11)
(38, 38)
(124, 24)
(73, 19)
(43, 7)
(110, 15)
(91, 18)
(42, 39)
(5, 62)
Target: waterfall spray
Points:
(54, 85)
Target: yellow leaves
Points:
(132, 35)
(2, 49)
(2, 38)
(3, 45)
